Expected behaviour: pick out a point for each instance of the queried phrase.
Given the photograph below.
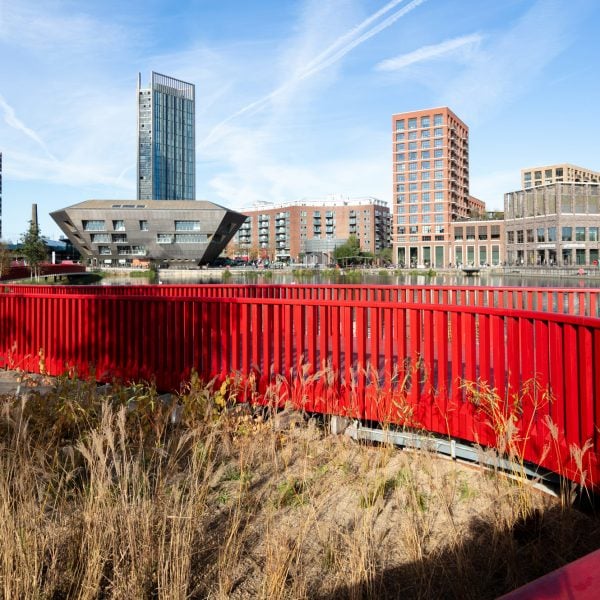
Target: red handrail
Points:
(446, 365)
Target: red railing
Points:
(471, 372)
(574, 301)
(23, 272)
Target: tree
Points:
(385, 256)
(348, 253)
(5, 259)
(33, 248)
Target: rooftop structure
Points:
(562, 173)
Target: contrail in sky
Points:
(332, 54)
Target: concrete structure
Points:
(555, 224)
(562, 173)
(478, 242)
(312, 228)
(0, 195)
(431, 185)
(166, 165)
(125, 232)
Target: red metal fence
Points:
(582, 301)
(429, 358)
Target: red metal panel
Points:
(414, 325)
(255, 334)
(585, 369)
(311, 335)
(572, 424)
(361, 364)
(277, 334)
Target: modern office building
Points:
(563, 173)
(431, 185)
(312, 229)
(0, 195)
(166, 164)
(553, 225)
(125, 232)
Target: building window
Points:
(567, 234)
(413, 187)
(438, 185)
(187, 225)
(439, 218)
(458, 233)
(438, 195)
(100, 238)
(191, 238)
(510, 237)
(119, 225)
(412, 135)
(412, 166)
(438, 153)
(593, 234)
(425, 164)
(439, 229)
(425, 133)
(413, 208)
(143, 225)
(541, 235)
(438, 174)
(164, 238)
(437, 132)
(399, 125)
(413, 229)
(425, 186)
(520, 236)
(94, 226)
(412, 123)
(412, 177)
(438, 207)
(425, 175)
(425, 145)
(104, 250)
(412, 145)
(412, 156)
(400, 157)
(438, 119)
(551, 234)
(425, 121)
(399, 137)
(470, 232)
(119, 237)
(580, 234)
(438, 143)
(530, 235)
(425, 154)
(438, 164)
(426, 218)
(425, 207)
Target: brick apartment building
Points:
(310, 230)
(431, 185)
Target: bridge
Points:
(468, 364)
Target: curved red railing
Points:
(463, 370)
(576, 301)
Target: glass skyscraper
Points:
(166, 139)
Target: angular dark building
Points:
(166, 165)
(126, 232)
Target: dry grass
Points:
(102, 496)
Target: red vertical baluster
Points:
(440, 420)
(255, 330)
(414, 340)
(299, 335)
(215, 338)
(276, 334)
(572, 391)
(324, 335)
(311, 334)
(361, 347)
(288, 340)
(456, 372)
(584, 367)
(267, 340)
(348, 358)
(236, 336)
(428, 371)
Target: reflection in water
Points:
(374, 278)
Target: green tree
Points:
(33, 248)
(5, 259)
(385, 256)
(348, 253)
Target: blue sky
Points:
(294, 97)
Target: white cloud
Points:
(430, 52)
(512, 61)
(11, 119)
(334, 52)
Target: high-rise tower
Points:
(166, 168)
(431, 184)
